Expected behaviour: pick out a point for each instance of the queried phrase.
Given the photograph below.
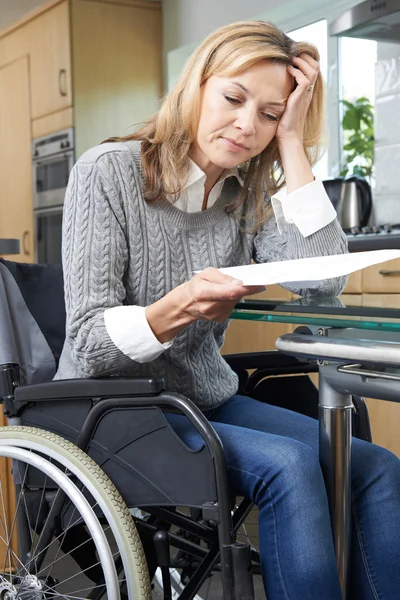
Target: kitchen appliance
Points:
(374, 237)
(352, 200)
(374, 19)
(52, 160)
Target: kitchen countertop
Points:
(374, 241)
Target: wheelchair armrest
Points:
(102, 387)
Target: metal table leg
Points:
(337, 382)
(335, 410)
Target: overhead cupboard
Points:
(94, 65)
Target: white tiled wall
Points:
(387, 135)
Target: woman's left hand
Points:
(305, 71)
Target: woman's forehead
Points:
(264, 75)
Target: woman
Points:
(190, 192)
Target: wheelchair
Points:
(99, 497)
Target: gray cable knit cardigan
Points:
(118, 249)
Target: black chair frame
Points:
(82, 410)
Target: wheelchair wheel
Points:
(67, 533)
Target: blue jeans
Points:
(272, 459)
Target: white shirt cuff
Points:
(308, 207)
(130, 331)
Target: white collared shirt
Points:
(308, 207)
(191, 198)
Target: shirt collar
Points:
(196, 174)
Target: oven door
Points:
(48, 225)
(50, 179)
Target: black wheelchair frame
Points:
(85, 407)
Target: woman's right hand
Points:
(211, 295)
(208, 296)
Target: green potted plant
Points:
(358, 133)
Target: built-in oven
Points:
(52, 160)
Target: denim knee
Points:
(289, 468)
(374, 467)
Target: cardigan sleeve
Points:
(289, 244)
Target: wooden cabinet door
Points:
(384, 415)
(383, 278)
(354, 284)
(254, 336)
(50, 61)
(117, 64)
(16, 204)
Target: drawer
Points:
(351, 299)
(383, 278)
(381, 300)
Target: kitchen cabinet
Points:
(16, 217)
(91, 64)
(383, 278)
(116, 54)
(50, 61)
(384, 415)
(354, 284)
(250, 336)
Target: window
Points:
(356, 83)
(317, 34)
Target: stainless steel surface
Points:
(348, 210)
(359, 369)
(49, 198)
(373, 19)
(9, 246)
(376, 237)
(351, 197)
(335, 452)
(48, 233)
(52, 161)
(341, 349)
(363, 384)
(335, 412)
(55, 143)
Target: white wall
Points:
(189, 21)
(387, 134)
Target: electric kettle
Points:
(351, 199)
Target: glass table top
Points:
(322, 312)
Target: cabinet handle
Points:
(25, 244)
(386, 273)
(62, 78)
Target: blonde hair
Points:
(168, 135)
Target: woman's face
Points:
(239, 115)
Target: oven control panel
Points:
(53, 144)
